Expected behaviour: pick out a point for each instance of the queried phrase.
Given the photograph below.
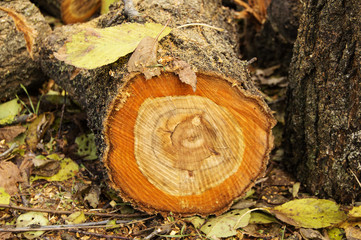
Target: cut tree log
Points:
(166, 147)
(70, 11)
(21, 30)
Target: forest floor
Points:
(50, 175)
(53, 183)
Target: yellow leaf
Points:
(310, 213)
(95, 47)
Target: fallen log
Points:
(22, 29)
(168, 148)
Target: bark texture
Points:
(20, 45)
(323, 129)
(112, 98)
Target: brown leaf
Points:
(37, 129)
(144, 58)
(10, 132)
(9, 177)
(185, 73)
(23, 26)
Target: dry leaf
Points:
(37, 129)
(23, 26)
(9, 177)
(185, 73)
(144, 58)
(10, 132)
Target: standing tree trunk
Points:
(167, 147)
(323, 131)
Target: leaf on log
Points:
(92, 47)
(144, 58)
(23, 26)
(170, 148)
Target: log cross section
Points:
(172, 149)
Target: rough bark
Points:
(273, 44)
(115, 100)
(323, 132)
(70, 11)
(20, 45)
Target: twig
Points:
(201, 24)
(100, 224)
(62, 116)
(358, 181)
(7, 152)
(70, 212)
(98, 234)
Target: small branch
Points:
(99, 235)
(70, 212)
(9, 151)
(100, 224)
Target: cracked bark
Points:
(323, 132)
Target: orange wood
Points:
(253, 117)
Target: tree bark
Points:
(70, 11)
(22, 28)
(167, 147)
(323, 132)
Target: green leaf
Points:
(226, 224)
(86, 146)
(68, 169)
(93, 47)
(31, 219)
(8, 111)
(310, 213)
(4, 197)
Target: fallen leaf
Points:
(37, 129)
(86, 146)
(93, 196)
(31, 219)
(308, 233)
(335, 234)
(23, 26)
(8, 111)
(4, 197)
(355, 212)
(10, 132)
(196, 221)
(185, 73)
(68, 169)
(226, 225)
(9, 177)
(261, 218)
(309, 213)
(144, 58)
(45, 166)
(93, 47)
(353, 233)
(76, 218)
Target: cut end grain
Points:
(170, 149)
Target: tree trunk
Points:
(70, 11)
(167, 147)
(21, 30)
(323, 129)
